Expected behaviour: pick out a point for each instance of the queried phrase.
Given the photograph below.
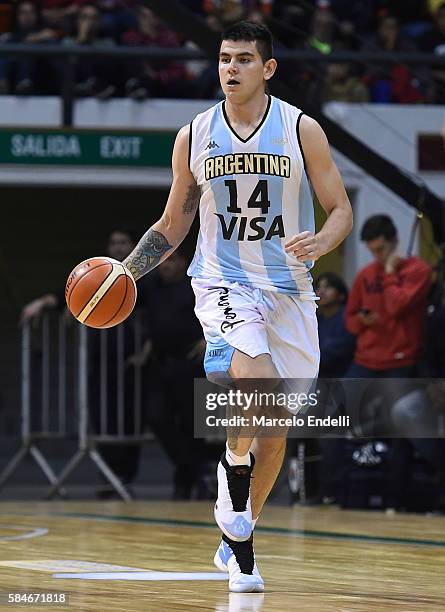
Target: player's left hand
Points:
(304, 246)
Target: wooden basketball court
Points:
(157, 556)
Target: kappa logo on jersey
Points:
(212, 145)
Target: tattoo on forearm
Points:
(192, 199)
(147, 254)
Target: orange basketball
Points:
(100, 292)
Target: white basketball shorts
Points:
(256, 321)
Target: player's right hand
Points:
(304, 246)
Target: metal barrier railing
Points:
(30, 432)
(72, 360)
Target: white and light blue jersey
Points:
(255, 196)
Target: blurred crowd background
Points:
(324, 26)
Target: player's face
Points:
(119, 245)
(241, 70)
(381, 248)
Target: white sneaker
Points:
(233, 559)
(233, 513)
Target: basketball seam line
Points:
(123, 300)
(68, 298)
(103, 281)
(109, 281)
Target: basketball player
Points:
(246, 163)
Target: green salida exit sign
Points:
(86, 148)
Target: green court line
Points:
(280, 531)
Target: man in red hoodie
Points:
(386, 306)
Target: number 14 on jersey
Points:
(244, 228)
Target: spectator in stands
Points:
(323, 29)
(24, 75)
(394, 82)
(153, 78)
(94, 76)
(309, 78)
(331, 81)
(386, 306)
(204, 76)
(59, 13)
(291, 22)
(355, 19)
(336, 343)
(118, 16)
(385, 310)
(336, 352)
(343, 86)
(433, 41)
(221, 13)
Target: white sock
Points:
(233, 459)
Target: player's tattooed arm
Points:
(169, 231)
(192, 199)
(147, 254)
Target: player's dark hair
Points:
(378, 226)
(251, 31)
(335, 281)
